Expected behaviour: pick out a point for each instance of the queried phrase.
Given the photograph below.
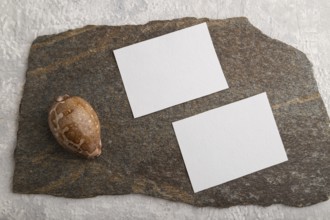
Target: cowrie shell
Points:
(76, 126)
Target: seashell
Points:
(75, 125)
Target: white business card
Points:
(229, 142)
(170, 70)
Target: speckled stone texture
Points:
(142, 155)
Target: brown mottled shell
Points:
(75, 125)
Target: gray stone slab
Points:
(142, 155)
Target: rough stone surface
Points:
(142, 155)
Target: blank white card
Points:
(170, 69)
(229, 142)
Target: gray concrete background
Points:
(301, 23)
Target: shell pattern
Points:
(76, 126)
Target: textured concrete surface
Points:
(302, 24)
